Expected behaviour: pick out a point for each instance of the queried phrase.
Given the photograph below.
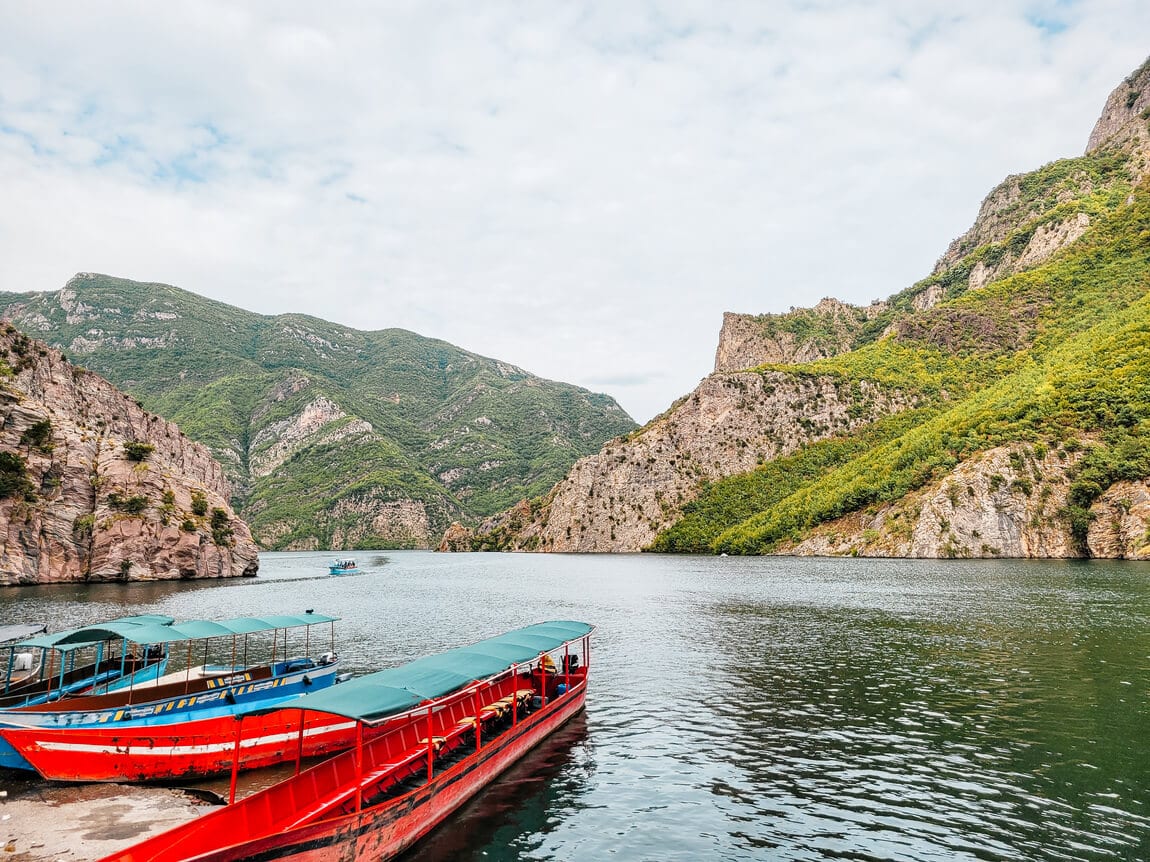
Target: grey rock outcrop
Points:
(1005, 502)
(750, 340)
(1123, 116)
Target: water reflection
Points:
(974, 734)
(514, 817)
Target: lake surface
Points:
(765, 709)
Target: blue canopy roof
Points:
(376, 696)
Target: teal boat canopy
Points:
(203, 629)
(19, 631)
(150, 629)
(376, 696)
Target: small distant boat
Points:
(343, 567)
(428, 736)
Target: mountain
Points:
(998, 407)
(331, 437)
(93, 488)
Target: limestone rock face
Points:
(1051, 238)
(749, 340)
(620, 498)
(79, 505)
(1004, 502)
(457, 538)
(1120, 528)
(1122, 115)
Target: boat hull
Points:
(180, 750)
(231, 695)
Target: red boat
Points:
(429, 735)
(160, 752)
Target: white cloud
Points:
(581, 190)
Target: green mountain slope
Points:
(332, 437)
(1047, 355)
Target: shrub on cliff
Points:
(14, 477)
(136, 450)
(39, 436)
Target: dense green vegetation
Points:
(402, 417)
(1053, 355)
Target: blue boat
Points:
(198, 688)
(343, 567)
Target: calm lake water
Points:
(763, 708)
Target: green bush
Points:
(134, 505)
(38, 435)
(221, 527)
(1124, 456)
(14, 480)
(199, 503)
(136, 450)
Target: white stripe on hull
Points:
(185, 750)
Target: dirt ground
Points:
(46, 821)
(41, 820)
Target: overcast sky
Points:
(579, 189)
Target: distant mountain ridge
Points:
(999, 407)
(331, 437)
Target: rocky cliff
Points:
(801, 335)
(620, 498)
(94, 488)
(1012, 385)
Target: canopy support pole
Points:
(478, 721)
(299, 746)
(188, 669)
(430, 747)
(236, 760)
(514, 695)
(51, 673)
(358, 766)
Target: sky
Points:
(580, 189)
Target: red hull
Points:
(184, 749)
(330, 830)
